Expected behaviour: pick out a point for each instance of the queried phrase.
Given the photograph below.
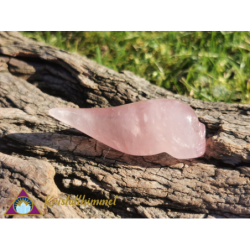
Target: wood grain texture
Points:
(46, 156)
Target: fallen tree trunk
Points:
(47, 157)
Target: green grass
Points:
(212, 66)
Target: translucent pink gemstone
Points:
(141, 128)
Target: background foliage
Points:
(212, 66)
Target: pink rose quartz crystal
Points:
(142, 128)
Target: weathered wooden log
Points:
(47, 157)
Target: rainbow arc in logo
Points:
(23, 205)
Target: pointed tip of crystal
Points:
(56, 113)
(61, 114)
(53, 112)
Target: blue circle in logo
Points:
(23, 205)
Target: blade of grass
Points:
(98, 55)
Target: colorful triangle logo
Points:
(23, 205)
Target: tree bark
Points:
(47, 157)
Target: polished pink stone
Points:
(141, 128)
